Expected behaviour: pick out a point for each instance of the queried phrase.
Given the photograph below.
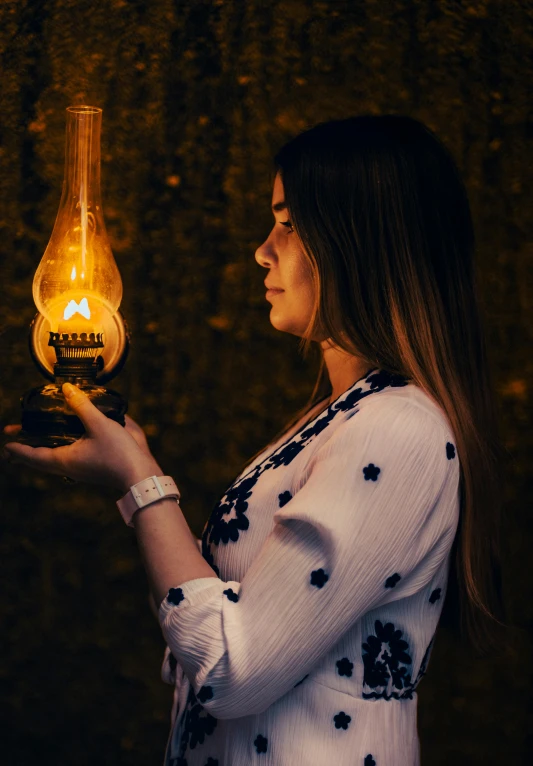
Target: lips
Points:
(272, 291)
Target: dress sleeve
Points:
(171, 671)
(377, 505)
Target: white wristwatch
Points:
(145, 492)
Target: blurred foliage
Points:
(197, 96)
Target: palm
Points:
(132, 428)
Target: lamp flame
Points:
(73, 273)
(82, 308)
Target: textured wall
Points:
(197, 96)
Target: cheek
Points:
(298, 271)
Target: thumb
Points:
(82, 406)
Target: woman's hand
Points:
(106, 454)
(131, 427)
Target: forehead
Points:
(277, 191)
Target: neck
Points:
(344, 369)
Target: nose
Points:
(265, 255)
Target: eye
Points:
(288, 224)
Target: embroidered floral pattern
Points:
(261, 743)
(196, 727)
(385, 657)
(342, 720)
(228, 517)
(284, 498)
(204, 694)
(369, 760)
(344, 667)
(435, 595)
(231, 595)
(450, 451)
(319, 578)
(391, 581)
(175, 596)
(371, 472)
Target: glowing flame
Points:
(73, 273)
(82, 308)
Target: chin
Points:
(286, 325)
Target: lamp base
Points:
(47, 421)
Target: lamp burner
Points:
(77, 355)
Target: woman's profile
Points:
(302, 637)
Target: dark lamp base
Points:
(47, 421)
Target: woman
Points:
(301, 632)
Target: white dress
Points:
(332, 551)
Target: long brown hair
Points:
(384, 218)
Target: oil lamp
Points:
(78, 334)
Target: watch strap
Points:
(144, 493)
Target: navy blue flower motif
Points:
(405, 678)
(175, 596)
(220, 528)
(384, 658)
(196, 726)
(284, 498)
(319, 578)
(435, 595)
(371, 472)
(319, 426)
(260, 743)
(287, 454)
(342, 720)
(344, 667)
(211, 762)
(382, 379)
(231, 595)
(205, 693)
(369, 760)
(391, 581)
(352, 399)
(300, 682)
(450, 451)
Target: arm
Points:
(151, 601)
(325, 564)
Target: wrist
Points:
(140, 472)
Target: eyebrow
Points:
(279, 206)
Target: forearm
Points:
(151, 600)
(168, 548)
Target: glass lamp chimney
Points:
(77, 282)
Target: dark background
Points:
(196, 98)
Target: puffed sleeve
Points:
(171, 671)
(378, 500)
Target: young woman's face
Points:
(282, 254)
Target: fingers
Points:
(81, 405)
(132, 424)
(12, 429)
(43, 458)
